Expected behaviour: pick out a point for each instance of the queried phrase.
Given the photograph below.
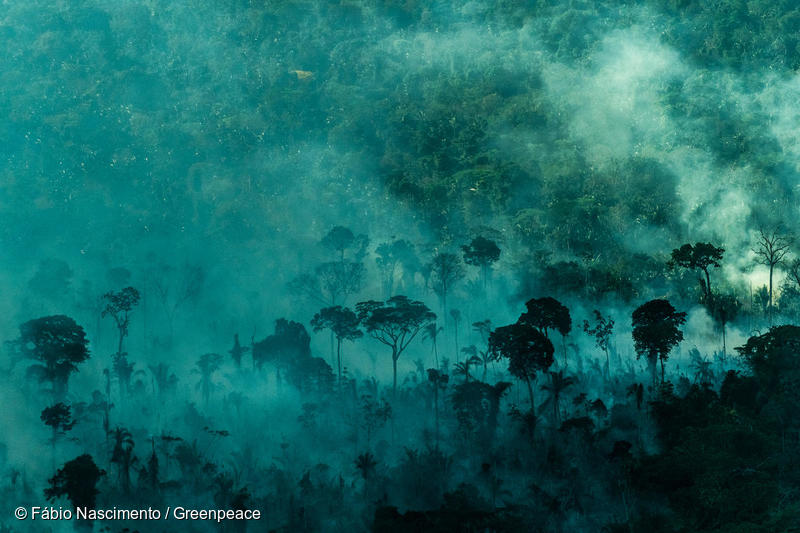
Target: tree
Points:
(726, 307)
(471, 358)
(390, 256)
(340, 239)
(528, 351)
(343, 323)
(122, 456)
(289, 343)
(482, 253)
(58, 344)
(438, 381)
(558, 384)
(237, 351)
(602, 331)
(77, 480)
(476, 406)
(702, 256)
(394, 323)
(331, 282)
(548, 314)
(176, 288)
(431, 333)
(118, 306)
(375, 414)
(455, 314)
(59, 418)
(445, 271)
(771, 249)
(207, 365)
(655, 332)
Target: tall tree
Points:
(528, 351)
(176, 288)
(59, 418)
(702, 256)
(58, 345)
(391, 257)
(394, 323)
(445, 270)
(343, 323)
(455, 314)
(77, 480)
(558, 384)
(601, 331)
(771, 249)
(431, 333)
(546, 314)
(237, 351)
(207, 366)
(482, 253)
(123, 457)
(341, 239)
(438, 381)
(119, 306)
(655, 332)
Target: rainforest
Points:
(391, 265)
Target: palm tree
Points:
(438, 381)
(558, 384)
(462, 368)
(455, 314)
(123, 456)
(431, 332)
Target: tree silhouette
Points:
(445, 270)
(390, 256)
(482, 253)
(289, 343)
(341, 239)
(655, 332)
(58, 344)
(455, 314)
(122, 456)
(558, 384)
(176, 288)
(702, 256)
(476, 405)
(438, 381)
(726, 307)
(602, 331)
(394, 323)
(547, 314)
(237, 351)
(771, 249)
(431, 333)
(59, 418)
(462, 368)
(118, 306)
(163, 379)
(343, 323)
(527, 349)
(207, 366)
(331, 283)
(77, 480)
(374, 415)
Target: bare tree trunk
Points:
(530, 392)
(339, 356)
